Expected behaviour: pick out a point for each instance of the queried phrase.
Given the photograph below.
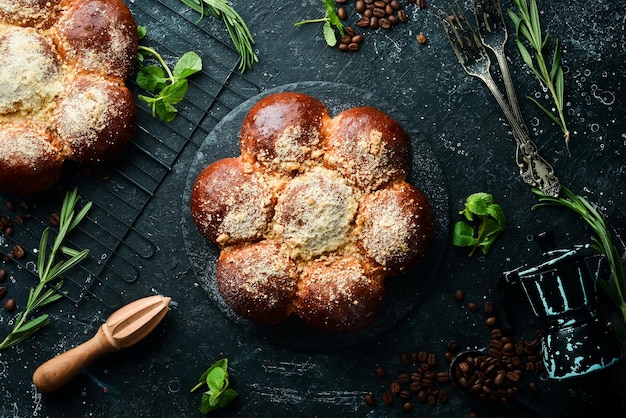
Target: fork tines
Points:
(489, 17)
(465, 43)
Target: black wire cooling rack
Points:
(121, 189)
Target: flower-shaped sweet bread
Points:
(313, 215)
(62, 94)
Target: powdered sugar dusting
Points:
(29, 72)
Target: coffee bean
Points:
(421, 4)
(395, 387)
(369, 399)
(381, 372)
(404, 378)
(18, 251)
(395, 5)
(343, 47)
(405, 395)
(442, 377)
(387, 397)
(453, 346)
(10, 305)
(490, 321)
(3, 275)
(472, 306)
(422, 356)
(421, 38)
(363, 22)
(384, 23)
(534, 387)
(489, 307)
(349, 30)
(3, 291)
(407, 407)
(342, 13)
(8, 231)
(357, 39)
(402, 16)
(442, 396)
(421, 396)
(432, 401)
(431, 359)
(353, 47)
(459, 295)
(360, 6)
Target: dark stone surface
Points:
(474, 148)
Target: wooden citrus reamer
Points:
(125, 327)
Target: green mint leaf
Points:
(175, 92)
(165, 111)
(215, 379)
(141, 31)
(463, 235)
(496, 212)
(476, 204)
(479, 207)
(190, 63)
(151, 78)
(329, 35)
(219, 394)
(226, 397)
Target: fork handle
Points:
(534, 169)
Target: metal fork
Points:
(494, 35)
(473, 57)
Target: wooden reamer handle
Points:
(57, 371)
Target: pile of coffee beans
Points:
(492, 375)
(373, 14)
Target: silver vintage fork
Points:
(494, 35)
(473, 57)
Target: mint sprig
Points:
(331, 22)
(168, 86)
(479, 208)
(220, 394)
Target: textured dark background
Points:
(461, 122)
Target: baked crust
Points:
(62, 66)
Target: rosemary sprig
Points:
(50, 272)
(601, 242)
(528, 27)
(236, 26)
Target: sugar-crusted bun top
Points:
(330, 195)
(62, 66)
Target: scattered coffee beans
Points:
(375, 14)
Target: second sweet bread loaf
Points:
(63, 65)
